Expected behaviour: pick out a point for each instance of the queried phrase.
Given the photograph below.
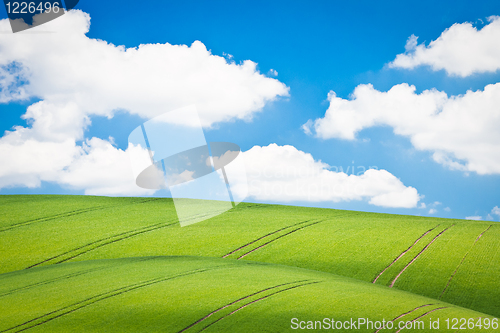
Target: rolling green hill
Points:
(194, 294)
(362, 264)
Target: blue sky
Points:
(315, 48)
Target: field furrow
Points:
(62, 278)
(461, 262)
(278, 237)
(455, 261)
(68, 255)
(237, 301)
(39, 284)
(403, 253)
(265, 236)
(201, 295)
(49, 218)
(421, 316)
(479, 269)
(416, 257)
(73, 253)
(258, 300)
(97, 298)
(391, 271)
(65, 215)
(235, 253)
(405, 314)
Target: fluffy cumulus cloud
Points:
(461, 50)
(461, 131)
(147, 80)
(101, 169)
(474, 218)
(286, 174)
(48, 151)
(76, 77)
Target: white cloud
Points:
(490, 216)
(30, 162)
(432, 206)
(285, 174)
(101, 169)
(76, 77)
(461, 131)
(48, 151)
(307, 127)
(496, 211)
(411, 43)
(147, 80)
(447, 209)
(96, 166)
(461, 50)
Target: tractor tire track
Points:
(425, 314)
(255, 301)
(50, 218)
(234, 302)
(461, 262)
(63, 277)
(110, 240)
(267, 235)
(94, 299)
(68, 214)
(404, 314)
(106, 240)
(275, 232)
(404, 252)
(42, 283)
(275, 239)
(417, 256)
(114, 241)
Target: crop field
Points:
(82, 263)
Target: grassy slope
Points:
(352, 244)
(170, 294)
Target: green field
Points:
(251, 269)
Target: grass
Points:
(194, 294)
(452, 261)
